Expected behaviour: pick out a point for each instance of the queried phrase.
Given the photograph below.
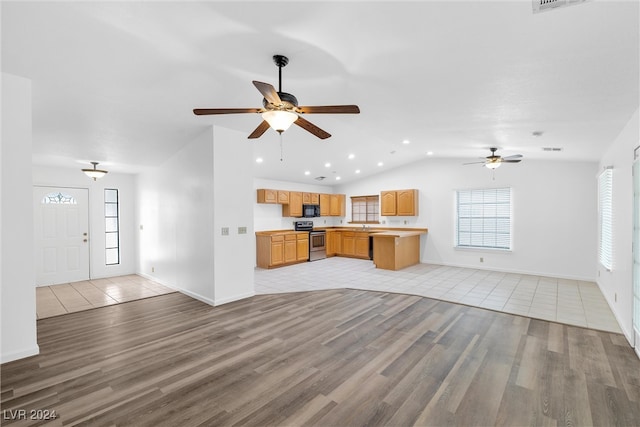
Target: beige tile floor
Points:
(71, 297)
(572, 302)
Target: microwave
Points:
(310, 211)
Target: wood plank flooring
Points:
(332, 358)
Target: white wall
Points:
(182, 206)
(17, 278)
(554, 213)
(75, 178)
(267, 216)
(617, 285)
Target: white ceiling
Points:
(116, 82)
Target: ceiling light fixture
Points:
(380, 163)
(327, 165)
(429, 153)
(493, 165)
(259, 160)
(406, 141)
(357, 170)
(279, 120)
(351, 156)
(94, 173)
(307, 172)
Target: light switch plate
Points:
(225, 231)
(242, 230)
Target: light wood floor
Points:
(339, 357)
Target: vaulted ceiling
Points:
(116, 82)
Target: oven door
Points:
(317, 248)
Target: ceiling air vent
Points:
(544, 5)
(320, 178)
(551, 148)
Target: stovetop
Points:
(303, 225)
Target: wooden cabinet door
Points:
(290, 248)
(267, 196)
(315, 199)
(294, 207)
(302, 247)
(407, 202)
(325, 204)
(388, 203)
(283, 197)
(348, 243)
(362, 245)
(306, 198)
(337, 202)
(277, 250)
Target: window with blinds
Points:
(605, 218)
(365, 209)
(483, 218)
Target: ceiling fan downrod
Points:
(280, 61)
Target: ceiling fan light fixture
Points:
(95, 173)
(493, 165)
(279, 120)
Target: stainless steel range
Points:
(317, 240)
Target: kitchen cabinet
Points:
(278, 249)
(388, 203)
(348, 243)
(337, 205)
(283, 197)
(362, 245)
(267, 196)
(294, 207)
(325, 204)
(330, 246)
(399, 203)
(302, 247)
(290, 248)
(311, 198)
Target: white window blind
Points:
(484, 218)
(605, 217)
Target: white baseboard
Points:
(508, 270)
(28, 352)
(220, 301)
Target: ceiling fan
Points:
(494, 161)
(280, 109)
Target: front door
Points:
(61, 230)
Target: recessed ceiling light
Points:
(406, 141)
(429, 153)
(537, 133)
(357, 170)
(327, 165)
(259, 160)
(380, 164)
(337, 178)
(307, 172)
(351, 156)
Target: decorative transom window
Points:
(605, 218)
(483, 218)
(59, 199)
(365, 209)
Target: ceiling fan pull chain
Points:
(280, 146)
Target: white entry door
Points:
(61, 229)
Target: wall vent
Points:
(551, 148)
(320, 178)
(544, 5)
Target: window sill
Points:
(481, 249)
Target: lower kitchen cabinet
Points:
(277, 249)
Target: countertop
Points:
(375, 231)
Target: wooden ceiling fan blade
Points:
(208, 111)
(269, 92)
(511, 161)
(474, 163)
(515, 156)
(329, 109)
(310, 127)
(261, 129)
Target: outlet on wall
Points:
(153, 269)
(481, 259)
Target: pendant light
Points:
(94, 173)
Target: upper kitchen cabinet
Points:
(273, 196)
(294, 207)
(399, 203)
(311, 198)
(337, 205)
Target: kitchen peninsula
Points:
(395, 250)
